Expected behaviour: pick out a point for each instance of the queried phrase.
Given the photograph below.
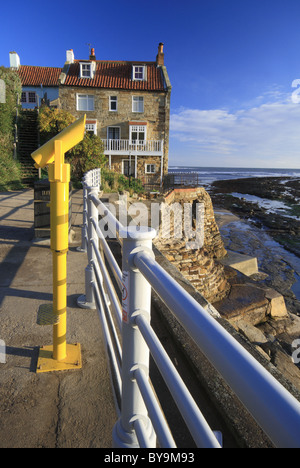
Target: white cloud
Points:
(265, 135)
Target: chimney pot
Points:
(70, 56)
(160, 59)
(14, 60)
(92, 56)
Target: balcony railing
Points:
(154, 147)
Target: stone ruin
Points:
(199, 265)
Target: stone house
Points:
(127, 105)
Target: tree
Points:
(85, 156)
(52, 121)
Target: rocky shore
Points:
(270, 203)
(269, 213)
(260, 217)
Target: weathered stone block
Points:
(245, 302)
(243, 263)
(277, 304)
(251, 332)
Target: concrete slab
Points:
(66, 409)
(243, 263)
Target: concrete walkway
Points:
(70, 409)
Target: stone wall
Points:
(116, 165)
(199, 265)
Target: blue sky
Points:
(231, 64)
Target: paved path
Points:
(70, 409)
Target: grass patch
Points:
(10, 169)
(10, 175)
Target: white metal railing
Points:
(130, 339)
(91, 179)
(139, 146)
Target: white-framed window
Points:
(139, 72)
(91, 128)
(128, 168)
(85, 102)
(138, 104)
(28, 97)
(138, 133)
(150, 168)
(85, 70)
(113, 133)
(113, 103)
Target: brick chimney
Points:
(70, 56)
(160, 58)
(14, 60)
(93, 56)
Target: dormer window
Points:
(85, 70)
(139, 73)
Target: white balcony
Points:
(133, 147)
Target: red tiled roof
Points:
(35, 76)
(116, 75)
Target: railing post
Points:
(136, 299)
(83, 247)
(87, 301)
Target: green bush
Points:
(112, 182)
(13, 88)
(85, 156)
(10, 173)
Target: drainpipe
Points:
(162, 163)
(16, 127)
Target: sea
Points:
(209, 175)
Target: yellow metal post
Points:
(59, 223)
(60, 356)
(59, 305)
